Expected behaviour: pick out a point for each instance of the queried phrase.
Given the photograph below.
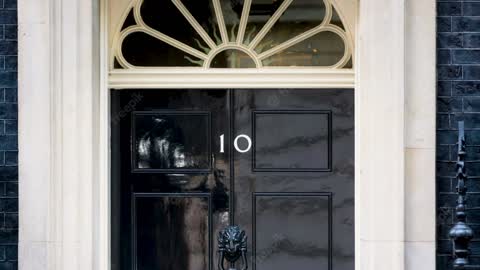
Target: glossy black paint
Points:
(310, 179)
(173, 191)
(163, 141)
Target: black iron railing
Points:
(461, 233)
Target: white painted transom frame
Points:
(345, 11)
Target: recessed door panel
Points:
(163, 141)
(171, 231)
(296, 146)
(291, 230)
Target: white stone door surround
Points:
(63, 135)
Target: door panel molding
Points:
(327, 113)
(286, 195)
(206, 114)
(137, 195)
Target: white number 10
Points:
(235, 143)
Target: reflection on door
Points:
(174, 190)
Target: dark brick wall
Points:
(458, 90)
(8, 136)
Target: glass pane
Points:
(129, 21)
(260, 13)
(232, 59)
(163, 16)
(336, 19)
(232, 11)
(170, 141)
(323, 49)
(301, 15)
(204, 13)
(140, 49)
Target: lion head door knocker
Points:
(232, 244)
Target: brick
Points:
(472, 120)
(471, 8)
(11, 189)
(465, 24)
(466, 88)
(445, 215)
(8, 47)
(444, 184)
(2, 158)
(444, 57)
(472, 135)
(3, 256)
(443, 121)
(11, 63)
(443, 231)
(11, 95)
(11, 32)
(445, 262)
(8, 111)
(471, 40)
(11, 253)
(451, 72)
(446, 169)
(447, 137)
(8, 16)
(8, 142)
(11, 127)
(9, 173)
(9, 236)
(466, 56)
(471, 72)
(447, 200)
(449, 105)
(444, 88)
(449, 40)
(444, 247)
(473, 216)
(449, 8)
(472, 184)
(8, 266)
(444, 24)
(10, 4)
(11, 158)
(443, 153)
(8, 205)
(471, 104)
(8, 79)
(11, 220)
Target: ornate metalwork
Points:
(232, 244)
(461, 233)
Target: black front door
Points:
(186, 164)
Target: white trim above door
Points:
(232, 78)
(63, 138)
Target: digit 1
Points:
(222, 143)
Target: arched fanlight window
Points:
(231, 34)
